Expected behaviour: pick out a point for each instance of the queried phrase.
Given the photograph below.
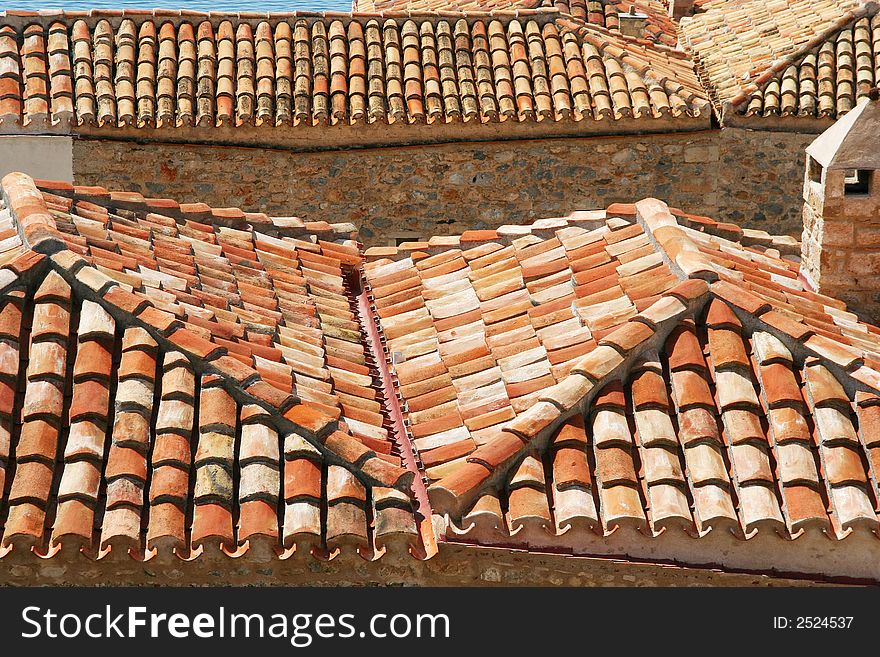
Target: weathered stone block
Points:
(865, 263)
(837, 233)
(702, 153)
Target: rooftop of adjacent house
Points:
(517, 71)
(804, 61)
(637, 382)
(658, 26)
(436, 70)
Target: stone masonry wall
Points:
(454, 565)
(751, 178)
(842, 242)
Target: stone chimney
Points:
(632, 23)
(678, 9)
(841, 240)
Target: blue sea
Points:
(195, 5)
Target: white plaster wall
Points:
(45, 157)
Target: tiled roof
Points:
(637, 382)
(471, 6)
(828, 81)
(189, 380)
(660, 28)
(169, 71)
(635, 369)
(797, 58)
(481, 330)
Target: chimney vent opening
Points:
(857, 182)
(815, 171)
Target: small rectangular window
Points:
(857, 182)
(408, 238)
(815, 171)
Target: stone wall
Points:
(454, 565)
(751, 178)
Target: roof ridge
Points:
(34, 222)
(231, 217)
(614, 355)
(509, 232)
(785, 244)
(669, 228)
(677, 248)
(290, 414)
(687, 261)
(506, 233)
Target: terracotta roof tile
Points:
(727, 384)
(193, 455)
(148, 71)
(546, 405)
(673, 471)
(705, 429)
(795, 60)
(659, 26)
